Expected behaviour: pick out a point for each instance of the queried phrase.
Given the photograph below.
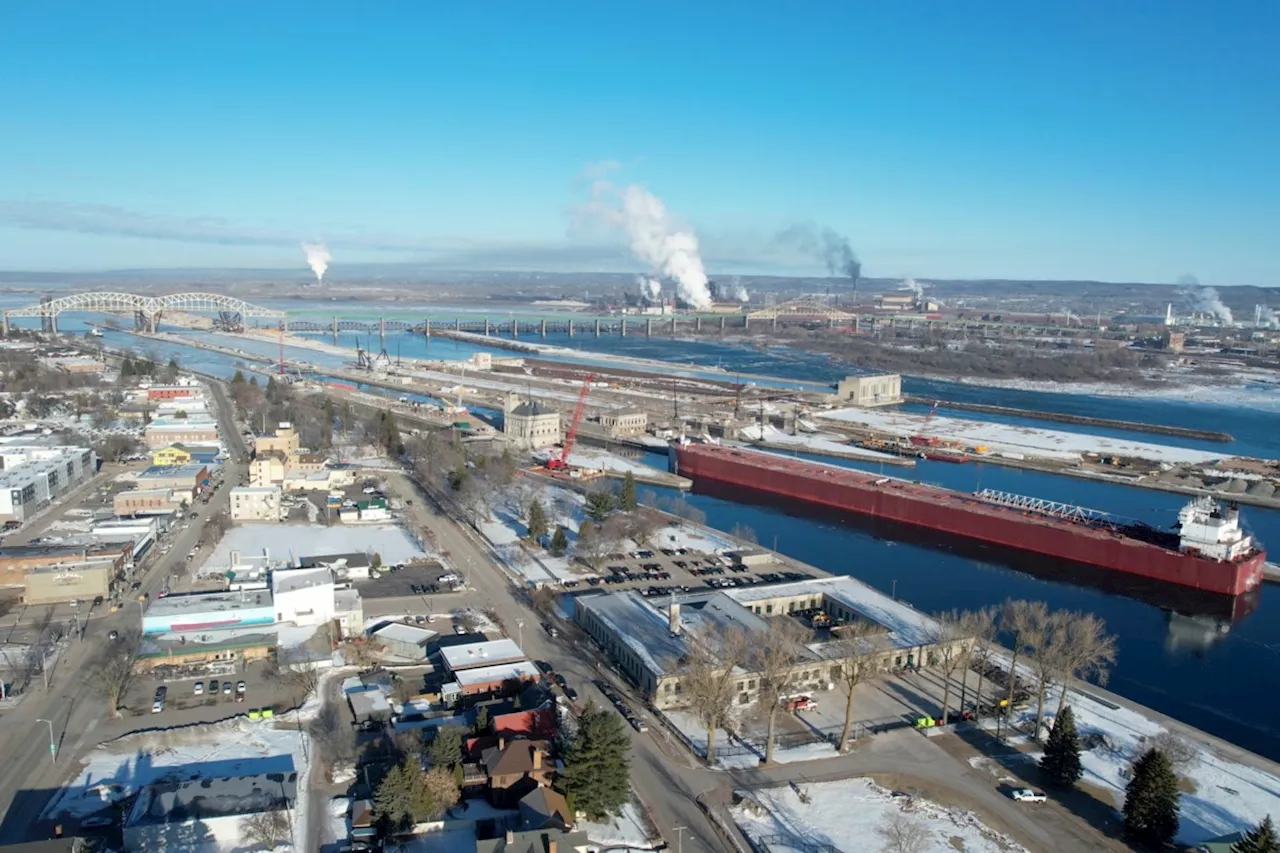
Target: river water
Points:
(1210, 663)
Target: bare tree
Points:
(980, 627)
(300, 676)
(947, 634)
(595, 541)
(112, 669)
(1179, 752)
(774, 654)
(1087, 652)
(708, 681)
(334, 739)
(901, 833)
(266, 830)
(1045, 640)
(444, 790)
(854, 655)
(1019, 620)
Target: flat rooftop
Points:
(201, 798)
(487, 653)
(206, 640)
(489, 674)
(402, 633)
(292, 580)
(335, 561)
(209, 602)
(161, 471)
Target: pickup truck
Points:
(1026, 795)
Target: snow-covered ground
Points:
(289, 542)
(1228, 796)
(1254, 389)
(813, 443)
(1010, 438)
(590, 458)
(238, 747)
(733, 753)
(628, 829)
(846, 814)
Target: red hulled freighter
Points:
(1209, 552)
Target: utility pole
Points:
(679, 831)
(53, 747)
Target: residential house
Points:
(545, 808)
(515, 768)
(535, 841)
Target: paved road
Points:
(666, 779)
(74, 703)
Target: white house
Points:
(303, 596)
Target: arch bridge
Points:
(146, 310)
(804, 309)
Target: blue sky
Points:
(1115, 141)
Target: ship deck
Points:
(936, 495)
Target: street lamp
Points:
(520, 628)
(53, 749)
(679, 831)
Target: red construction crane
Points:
(561, 462)
(922, 440)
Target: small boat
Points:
(95, 332)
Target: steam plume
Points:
(667, 248)
(650, 288)
(739, 293)
(912, 285)
(1204, 299)
(318, 258)
(826, 245)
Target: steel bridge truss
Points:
(146, 309)
(1041, 506)
(804, 309)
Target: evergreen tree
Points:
(446, 749)
(559, 542)
(126, 368)
(597, 771)
(404, 798)
(1061, 762)
(599, 505)
(537, 520)
(1151, 800)
(1260, 839)
(627, 493)
(238, 379)
(482, 721)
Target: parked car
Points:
(226, 688)
(157, 706)
(639, 725)
(213, 685)
(571, 693)
(113, 634)
(199, 688)
(1026, 795)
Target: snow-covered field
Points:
(1228, 795)
(119, 768)
(847, 813)
(626, 830)
(1016, 439)
(733, 753)
(289, 542)
(589, 458)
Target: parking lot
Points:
(183, 706)
(427, 577)
(661, 571)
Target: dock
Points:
(1060, 417)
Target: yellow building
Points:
(285, 440)
(171, 455)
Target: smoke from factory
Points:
(318, 258)
(826, 245)
(1204, 300)
(737, 292)
(669, 249)
(650, 288)
(912, 285)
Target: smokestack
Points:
(537, 758)
(1168, 315)
(673, 616)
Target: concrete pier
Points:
(571, 328)
(622, 329)
(542, 329)
(722, 321)
(486, 327)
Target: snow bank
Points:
(846, 814)
(1010, 438)
(628, 829)
(815, 443)
(735, 753)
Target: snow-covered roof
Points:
(488, 653)
(489, 674)
(906, 625)
(292, 580)
(402, 633)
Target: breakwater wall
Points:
(1157, 429)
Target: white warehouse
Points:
(303, 596)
